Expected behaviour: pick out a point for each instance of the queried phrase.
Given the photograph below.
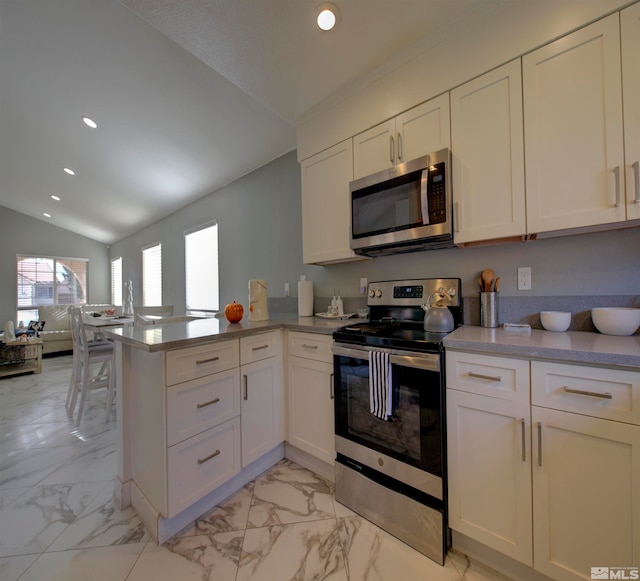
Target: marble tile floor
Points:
(58, 521)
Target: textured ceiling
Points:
(189, 94)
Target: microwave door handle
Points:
(424, 195)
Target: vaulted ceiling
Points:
(188, 95)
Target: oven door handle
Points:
(426, 361)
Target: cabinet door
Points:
(489, 463)
(326, 205)
(262, 412)
(630, 22)
(488, 157)
(375, 149)
(423, 129)
(586, 477)
(311, 412)
(573, 130)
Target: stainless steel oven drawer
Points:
(414, 523)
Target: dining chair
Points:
(93, 367)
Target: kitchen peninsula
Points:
(202, 411)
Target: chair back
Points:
(77, 329)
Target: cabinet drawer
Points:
(201, 464)
(595, 391)
(311, 346)
(200, 404)
(193, 362)
(500, 377)
(261, 346)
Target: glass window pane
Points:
(152, 276)
(201, 269)
(116, 282)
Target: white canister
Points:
(305, 298)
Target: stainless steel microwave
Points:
(403, 209)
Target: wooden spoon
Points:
(496, 284)
(487, 278)
(481, 283)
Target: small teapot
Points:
(437, 317)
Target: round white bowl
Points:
(616, 320)
(555, 320)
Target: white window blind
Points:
(116, 282)
(152, 275)
(48, 280)
(201, 268)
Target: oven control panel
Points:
(412, 292)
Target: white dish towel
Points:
(380, 385)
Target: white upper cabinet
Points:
(630, 22)
(326, 210)
(573, 130)
(488, 156)
(417, 132)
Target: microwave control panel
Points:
(436, 193)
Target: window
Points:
(116, 282)
(47, 280)
(201, 268)
(152, 275)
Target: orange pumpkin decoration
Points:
(234, 312)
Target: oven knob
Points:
(372, 293)
(380, 462)
(452, 292)
(378, 294)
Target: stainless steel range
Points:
(390, 413)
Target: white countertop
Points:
(187, 334)
(572, 346)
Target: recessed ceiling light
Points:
(90, 122)
(46, 215)
(56, 198)
(327, 16)
(69, 171)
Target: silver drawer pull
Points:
(487, 377)
(206, 403)
(309, 346)
(245, 381)
(201, 361)
(260, 347)
(605, 395)
(209, 457)
(524, 440)
(539, 443)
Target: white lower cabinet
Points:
(559, 488)
(262, 405)
(310, 380)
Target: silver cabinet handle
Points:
(331, 393)
(201, 361)
(456, 217)
(487, 377)
(539, 443)
(399, 147)
(524, 441)
(245, 381)
(207, 403)
(309, 346)
(636, 174)
(260, 347)
(605, 395)
(209, 457)
(616, 174)
(391, 150)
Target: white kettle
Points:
(437, 317)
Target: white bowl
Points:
(616, 320)
(555, 320)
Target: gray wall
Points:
(259, 220)
(21, 234)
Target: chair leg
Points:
(84, 388)
(72, 394)
(111, 391)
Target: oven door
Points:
(410, 446)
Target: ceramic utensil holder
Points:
(489, 309)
